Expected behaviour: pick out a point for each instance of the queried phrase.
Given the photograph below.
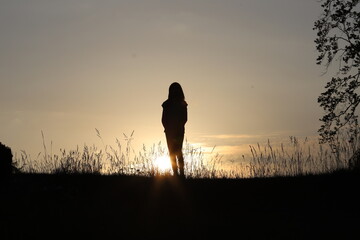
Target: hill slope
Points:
(87, 206)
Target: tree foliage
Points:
(338, 41)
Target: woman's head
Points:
(176, 92)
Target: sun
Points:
(162, 163)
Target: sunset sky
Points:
(247, 68)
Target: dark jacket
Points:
(174, 117)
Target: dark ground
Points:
(120, 207)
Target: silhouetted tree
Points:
(338, 39)
(6, 164)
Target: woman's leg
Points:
(173, 164)
(171, 143)
(181, 163)
(179, 154)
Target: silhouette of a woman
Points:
(174, 117)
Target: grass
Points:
(297, 157)
(107, 192)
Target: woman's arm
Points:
(185, 115)
(163, 118)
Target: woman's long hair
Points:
(176, 93)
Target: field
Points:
(132, 207)
(290, 192)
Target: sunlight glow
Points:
(162, 163)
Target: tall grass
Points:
(121, 159)
(298, 157)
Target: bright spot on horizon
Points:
(162, 163)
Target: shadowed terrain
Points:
(95, 206)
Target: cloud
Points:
(237, 139)
(231, 136)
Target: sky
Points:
(247, 67)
